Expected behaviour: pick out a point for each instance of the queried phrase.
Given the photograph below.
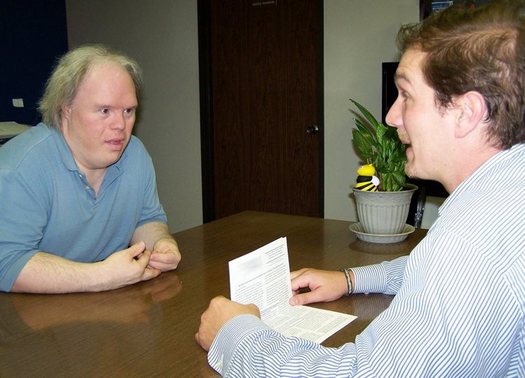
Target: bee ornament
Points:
(366, 178)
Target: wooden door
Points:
(263, 117)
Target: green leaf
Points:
(379, 144)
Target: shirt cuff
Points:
(385, 277)
(229, 337)
(370, 279)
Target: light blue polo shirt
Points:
(46, 203)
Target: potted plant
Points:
(382, 208)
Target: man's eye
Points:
(104, 111)
(129, 111)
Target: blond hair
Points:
(62, 86)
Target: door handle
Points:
(312, 130)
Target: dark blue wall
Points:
(33, 34)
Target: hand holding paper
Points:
(216, 315)
(322, 285)
(262, 277)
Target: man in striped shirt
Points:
(459, 305)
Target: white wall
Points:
(162, 36)
(358, 37)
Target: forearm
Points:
(165, 254)
(150, 233)
(47, 273)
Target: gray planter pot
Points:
(383, 212)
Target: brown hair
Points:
(63, 84)
(480, 50)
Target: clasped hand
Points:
(137, 263)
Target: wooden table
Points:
(148, 329)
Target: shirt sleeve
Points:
(152, 210)
(246, 347)
(422, 333)
(385, 278)
(23, 217)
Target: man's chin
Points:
(411, 171)
(113, 159)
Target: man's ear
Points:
(472, 112)
(66, 113)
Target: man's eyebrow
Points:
(400, 76)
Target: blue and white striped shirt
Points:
(459, 302)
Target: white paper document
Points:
(262, 277)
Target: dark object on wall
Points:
(427, 7)
(33, 34)
(389, 90)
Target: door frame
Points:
(206, 111)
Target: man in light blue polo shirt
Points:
(79, 209)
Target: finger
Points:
(136, 249)
(165, 261)
(150, 273)
(165, 246)
(164, 267)
(255, 309)
(303, 299)
(202, 341)
(157, 265)
(218, 300)
(297, 273)
(143, 258)
(197, 339)
(165, 258)
(301, 282)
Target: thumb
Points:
(136, 249)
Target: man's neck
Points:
(472, 160)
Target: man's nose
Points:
(393, 117)
(119, 122)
